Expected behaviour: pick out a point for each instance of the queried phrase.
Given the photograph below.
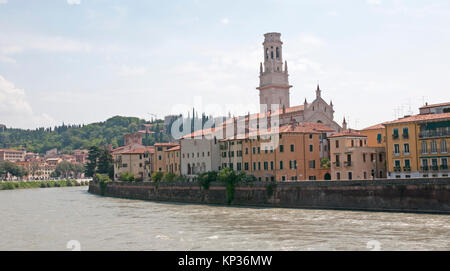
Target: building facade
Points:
(417, 146)
(135, 159)
(353, 159)
(12, 155)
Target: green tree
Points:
(230, 179)
(169, 177)
(105, 163)
(206, 178)
(126, 177)
(157, 176)
(92, 161)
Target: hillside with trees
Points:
(70, 137)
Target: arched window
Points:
(267, 53)
(277, 53)
(271, 54)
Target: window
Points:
(239, 166)
(365, 175)
(159, 157)
(312, 164)
(395, 133)
(405, 132)
(292, 147)
(443, 146)
(246, 150)
(406, 148)
(337, 144)
(407, 165)
(254, 150)
(310, 148)
(433, 146)
(444, 163)
(350, 176)
(259, 150)
(283, 178)
(396, 149)
(424, 147)
(424, 164)
(312, 178)
(338, 162)
(271, 165)
(434, 164)
(338, 175)
(246, 166)
(281, 164)
(259, 165)
(266, 166)
(254, 165)
(379, 138)
(281, 148)
(364, 157)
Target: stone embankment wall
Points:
(409, 195)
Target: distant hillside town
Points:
(281, 143)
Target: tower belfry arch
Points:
(273, 78)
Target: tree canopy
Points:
(71, 137)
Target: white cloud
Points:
(225, 21)
(374, 2)
(3, 1)
(127, 71)
(16, 111)
(73, 2)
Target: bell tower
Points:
(273, 77)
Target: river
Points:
(47, 219)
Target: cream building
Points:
(352, 158)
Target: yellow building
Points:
(173, 160)
(135, 159)
(161, 159)
(416, 146)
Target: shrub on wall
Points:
(206, 178)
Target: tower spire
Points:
(318, 91)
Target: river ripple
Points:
(46, 219)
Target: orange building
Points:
(290, 154)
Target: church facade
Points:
(274, 89)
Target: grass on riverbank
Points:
(40, 184)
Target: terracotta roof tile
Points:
(420, 118)
(374, 127)
(434, 105)
(348, 133)
(176, 148)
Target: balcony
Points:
(444, 167)
(424, 168)
(407, 169)
(431, 133)
(397, 169)
(405, 136)
(395, 136)
(348, 163)
(435, 168)
(396, 153)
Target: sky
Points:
(83, 61)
